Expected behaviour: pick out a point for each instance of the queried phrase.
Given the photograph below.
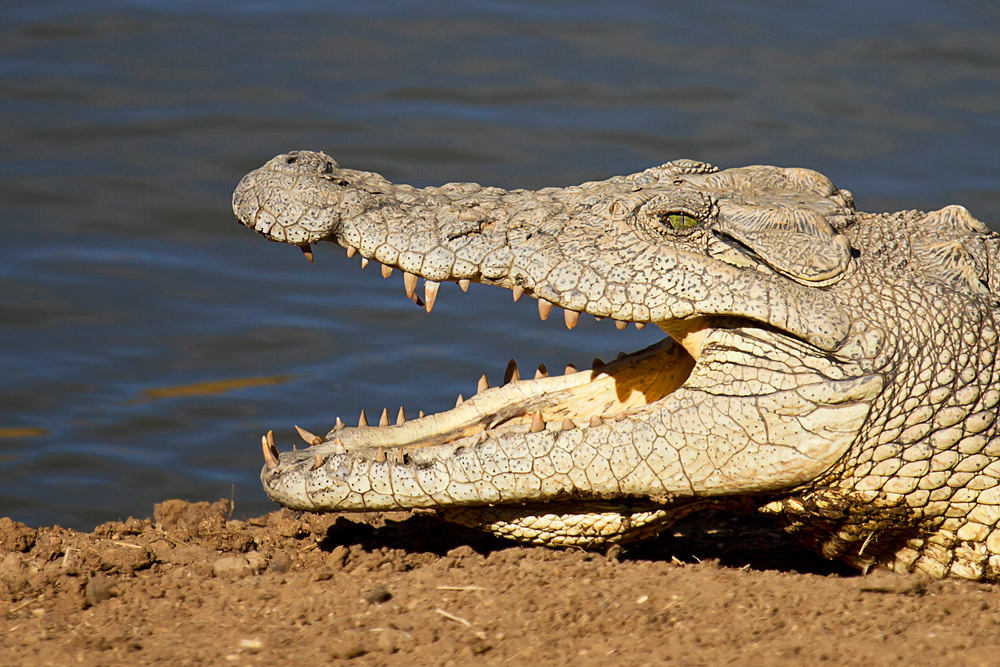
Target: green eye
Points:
(680, 221)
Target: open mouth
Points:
(561, 401)
(574, 399)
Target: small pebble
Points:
(377, 595)
(98, 589)
(281, 563)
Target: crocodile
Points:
(831, 367)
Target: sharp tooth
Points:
(318, 462)
(401, 417)
(307, 251)
(379, 455)
(621, 355)
(270, 451)
(542, 372)
(386, 270)
(364, 262)
(459, 401)
(596, 420)
(384, 419)
(409, 283)
(351, 252)
(567, 424)
(484, 384)
(620, 417)
(620, 325)
(339, 425)
(310, 438)
(430, 293)
(518, 293)
(537, 423)
(420, 415)
(570, 369)
(640, 325)
(596, 364)
(544, 308)
(400, 458)
(598, 318)
(338, 446)
(511, 374)
(464, 284)
(363, 419)
(572, 317)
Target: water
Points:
(147, 341)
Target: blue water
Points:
(125, 284)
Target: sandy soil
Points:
(197, 586)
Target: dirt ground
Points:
(195, 585)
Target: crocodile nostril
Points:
(292, 159)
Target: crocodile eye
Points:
(679, 221)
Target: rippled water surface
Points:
(146, 340)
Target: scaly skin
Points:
(835, 367)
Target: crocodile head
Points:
(778, 374)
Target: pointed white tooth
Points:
(401, 417)
(484, 384)
(384, 419)
(351, 252)
(307, 251)
(386, 270)
(542, 372)
(567, 424)
(339, 425)
(570, 369)
(464, 284)
(270, 451)
(640, 325)
(620, 325)
(596, 420)
(544, 308)
(410, 284)
(598, 318)
(537, 423)
(511, 374)
(379, 455)
(459, 401)
(400, 457)
(420, 415)
(430, 293)
(363, 419)
(318, 462)
(518, 293)
(364, 262)
(620, 417)
(338, 446)
(571, 317)
(310, 438)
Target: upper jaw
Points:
(580, 248)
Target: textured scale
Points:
(846, 375)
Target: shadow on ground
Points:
(738, 540)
